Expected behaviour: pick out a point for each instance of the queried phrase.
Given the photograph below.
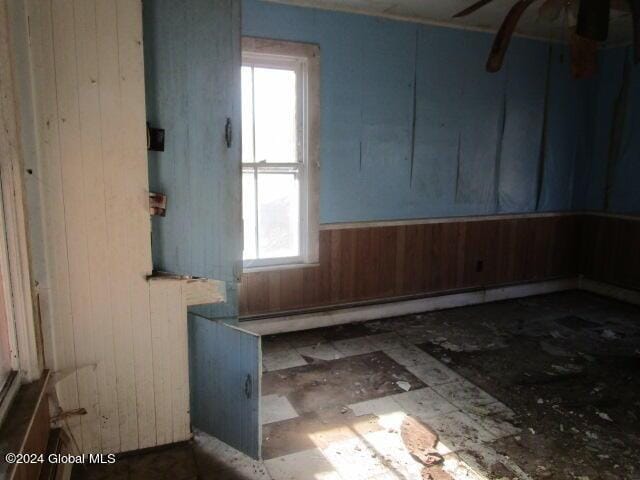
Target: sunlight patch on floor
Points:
(357, 453)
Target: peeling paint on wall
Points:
(413, 126)
(543, 140)
(620, 109)
(608, 169)
(413, 117)
(502, 122)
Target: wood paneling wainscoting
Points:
(369, 262)
(610, 249)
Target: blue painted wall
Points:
(192, 88)
(478, 145)
(608, 177)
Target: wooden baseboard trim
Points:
(340, 316)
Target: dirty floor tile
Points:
(354, 459)
(458, 430)
(432, 374)
(388, 446)
(464, 395)
(354, 346)
(305, 465)
(275, 408)
(495, 426)
(424, 404)
(282, 359)
(305, 338)
(388, 341)
(338, 383)
(408, 355)
(320, 351)
(378, 406)
(216, 460)
(274, 343)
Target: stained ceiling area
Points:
(489, 18)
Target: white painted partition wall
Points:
(115, 341)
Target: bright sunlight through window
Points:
(271, 165)
(275, 160)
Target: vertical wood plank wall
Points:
(382, 262)
(193, 87)
(109, 335)
(610, 249)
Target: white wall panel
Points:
(121, 354)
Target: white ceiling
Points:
(488, 17)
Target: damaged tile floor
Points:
(542, 387)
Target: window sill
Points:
(273, 268)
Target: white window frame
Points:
(304, 59)
(9, 385)
(24, 341)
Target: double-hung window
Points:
(279, 153)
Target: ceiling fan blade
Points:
(469, 10)
(503, 37)
(584, 56)
(593, 19)
(635, 15)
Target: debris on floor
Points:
(421, 442)
(545, 364)
(406, 386)
(537, 388)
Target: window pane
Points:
(247, 115)
(275, 115)
(278, 215)
(249, 215)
